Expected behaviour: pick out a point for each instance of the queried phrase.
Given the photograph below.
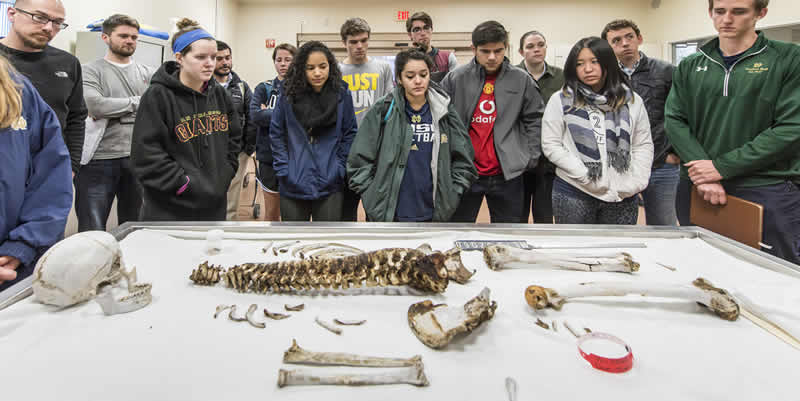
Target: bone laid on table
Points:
(413, 375)
(296, 354)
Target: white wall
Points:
(564, 22)
(677, 20)
(156, 13)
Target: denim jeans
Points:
(97, 184)
(503, 197)
(659, 196)
(573, 206)
(781, 202)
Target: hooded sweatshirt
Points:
(185, 148)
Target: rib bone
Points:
(297, 355)
(249, 317)
(414, 375)
(220, 309)
(500, 256)
(328, 327)
(349, 322)
(436, 325)
(702, 292)
(296, 308)
(275, 316)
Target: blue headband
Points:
(188, 38)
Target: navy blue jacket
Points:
(265, 93)
(308, 170)
(35, 182)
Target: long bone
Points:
(702, 292)
(500, 256)
(414, 375)
(297, 355)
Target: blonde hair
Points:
(10, 98)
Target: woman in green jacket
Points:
(412, 157)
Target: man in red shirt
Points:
(501, 106)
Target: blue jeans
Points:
(97, 184)
(781, 202)
(504, 199)
(573, 206)
(659, 196)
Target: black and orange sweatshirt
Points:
(184, 148)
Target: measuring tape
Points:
(611, 365)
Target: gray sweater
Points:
(113, 93)
(518, 128)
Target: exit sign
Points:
(403, 15)
(270, 43)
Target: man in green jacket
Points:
(733, 116)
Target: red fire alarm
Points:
(270, 43)
(403, 15)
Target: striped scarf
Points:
(617, 130)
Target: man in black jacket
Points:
(651, 79)
(55, 73)
(241, 94)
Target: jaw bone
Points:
(702, 292)
(500, 256)
(436, 325)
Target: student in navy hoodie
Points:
(311, 131)
(35, 177)
(187, 135)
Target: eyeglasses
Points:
(418, 29)
(42, 20)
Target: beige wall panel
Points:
(564, 22)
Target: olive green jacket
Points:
(376, 165)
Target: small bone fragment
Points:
(249, 317)
(220, 309)
(456, 270)
(275, 316)
(349, 322)
(554, 326)
(500, 256)
(296, 308)
(587, 330)
(511, 388)
(266, 247)
(425, 248)
(571, 330)
(234, 318)
(283, 247)
(702, 292)
(666, 266)
(542, 324)
(297, 355)
(436, 325)
(414, 375)
(328, 327)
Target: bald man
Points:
(55, 73)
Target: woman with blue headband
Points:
(187, 135)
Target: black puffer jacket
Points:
(241, 95)
(652, 80)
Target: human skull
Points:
(71, 270)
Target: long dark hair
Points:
(614, 77)
(296, 83)
(405, 56)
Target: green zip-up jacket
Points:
(376, 165)
(745, 119)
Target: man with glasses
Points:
(420, 30)
(55, 73)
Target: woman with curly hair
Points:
(311, 131)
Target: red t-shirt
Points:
(481, 130)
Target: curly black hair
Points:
(296, 82)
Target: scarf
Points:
(617, 130)
(316, 110)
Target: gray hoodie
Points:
(518, 128)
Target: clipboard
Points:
(739, 219)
